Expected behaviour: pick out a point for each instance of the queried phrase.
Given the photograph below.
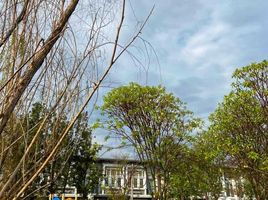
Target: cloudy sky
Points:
(198, 44)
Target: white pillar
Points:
(145, 181)
(75, 193)
(131, 183)
(103, 181)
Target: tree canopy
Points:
(155, 122)
(74, 164)
(239, 126)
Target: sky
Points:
(194, 46)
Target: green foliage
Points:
(239, 126)
(196, 175)
(155, 122)
(81, 169)
(74, 160)
(24, 128)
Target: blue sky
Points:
(199, 43)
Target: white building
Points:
(123, 177)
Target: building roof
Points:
(118, 161)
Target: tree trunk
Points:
(14, 96)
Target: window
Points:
(128, 181)
(112, 182)
(140, 173)
(113, 172)
(119, 172)
(135, 182)
(106, 181)
(118, 182)
(141, 183)
(107, 172)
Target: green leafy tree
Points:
(83, 172)
(74, 161)
(155, 123)
(195, 175)
(24, 127)
(239, 126)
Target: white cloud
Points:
(206, 40)
(199, 44)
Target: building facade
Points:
(127, 179)
(123, 178)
